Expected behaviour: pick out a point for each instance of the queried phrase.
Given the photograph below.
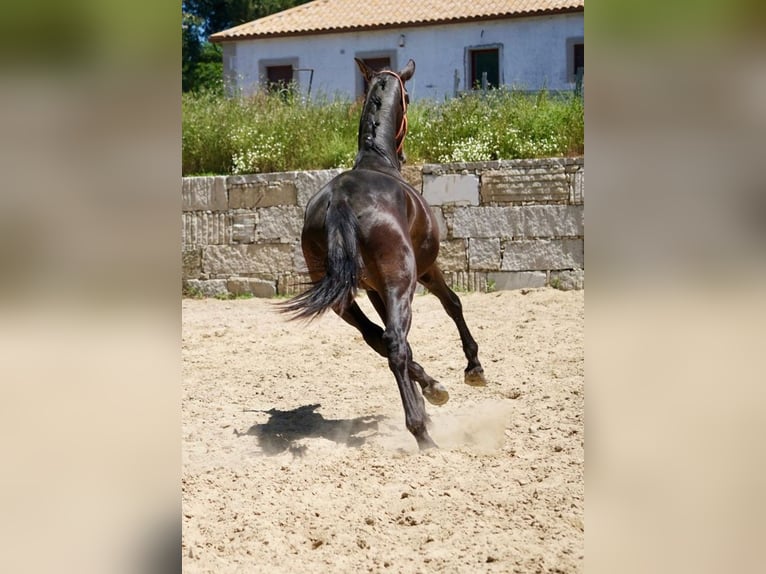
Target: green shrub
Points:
(279, 131)
(501, 124)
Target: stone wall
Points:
(504, 225)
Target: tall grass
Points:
(501, 124)
(279, 132)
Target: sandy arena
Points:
(296, 457)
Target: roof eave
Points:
(220, 37)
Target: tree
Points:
(191, 49)
(219, 15)
(202, 65)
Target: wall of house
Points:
(504, 225)
(534, 54)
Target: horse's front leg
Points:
(392, 343)
(433, 280)
(433, 390)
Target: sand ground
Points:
(296, 458)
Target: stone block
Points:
(460, 167)
(266, 258)
(543, 255)
(484, 254)
(205, 228)
(308, 183)
(206, 287)
(451, 189)
(509, 280)
(292, 283)
(525, 184)
(191, 263)
(283, 224)
(412, 174)
(203, 193)
(577, 188)
(441, 223)
(552, 221)
(486, 222)
(568, 280)
(299, 262)
(243, 227)
(251, 286)
(431, 169)
(252, 191)
(452, 255)
(466, 280)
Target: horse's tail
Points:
(337, 289)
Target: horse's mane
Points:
(377, 129)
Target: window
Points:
(579, 61)
(376, 64)
(376, 61)
(575, 60)
(483, 66)
(276, 75)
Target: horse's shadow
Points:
(285, 428)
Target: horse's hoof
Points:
(436, 394)
(426, 443)
(475, 377)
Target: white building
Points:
(526, 44)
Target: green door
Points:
(485, 61)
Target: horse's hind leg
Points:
(433, 390)
(399, 319)
(433, 280)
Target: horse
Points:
(369, 229)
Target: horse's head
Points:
(384, 116)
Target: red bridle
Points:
(403, 126)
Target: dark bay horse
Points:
(369, 229)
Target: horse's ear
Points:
(367, 72)
(408, 71)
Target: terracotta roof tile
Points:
(322, 16)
